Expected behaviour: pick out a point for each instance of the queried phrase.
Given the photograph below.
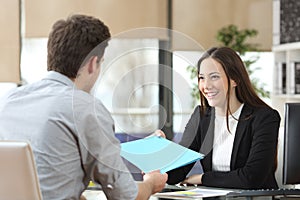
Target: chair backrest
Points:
(18, 174)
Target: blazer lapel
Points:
(207, 138)
(240, 131)
(207, 131)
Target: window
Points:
(128, 84)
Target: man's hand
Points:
(153, 182)
(156, 180)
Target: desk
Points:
(99, 195)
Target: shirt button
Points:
(109, 186)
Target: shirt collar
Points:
(56, 76)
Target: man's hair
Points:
(71, 42)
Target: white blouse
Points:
(223, 141)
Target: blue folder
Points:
(157, 153)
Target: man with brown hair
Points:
(70, 131)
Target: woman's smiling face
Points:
(213, 83)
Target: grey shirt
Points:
(72, 137)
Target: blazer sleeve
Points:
(190, 141)
(256, 167)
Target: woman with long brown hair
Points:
(232, 126)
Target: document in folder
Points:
(157, 153)
(196, 193)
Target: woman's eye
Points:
(214, 77)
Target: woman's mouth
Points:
(211, 94)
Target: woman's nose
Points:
(206, 83)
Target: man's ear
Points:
(92, 64)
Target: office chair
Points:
(18, 172)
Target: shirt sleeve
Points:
(100, 152)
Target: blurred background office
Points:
(133, 74)
(145, 81)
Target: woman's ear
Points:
(233, 83)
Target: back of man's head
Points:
(72, 40)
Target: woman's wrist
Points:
(194, 179)
(201, 175)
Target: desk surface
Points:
(99, 195)
(96, 194)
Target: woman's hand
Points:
(158, 133)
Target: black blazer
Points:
(254, 154)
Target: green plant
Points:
(231, 36)
(195, 91)
(234, 38)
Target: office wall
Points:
(9, 41)
(198, 19)
(201, 19)
(120, 15)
